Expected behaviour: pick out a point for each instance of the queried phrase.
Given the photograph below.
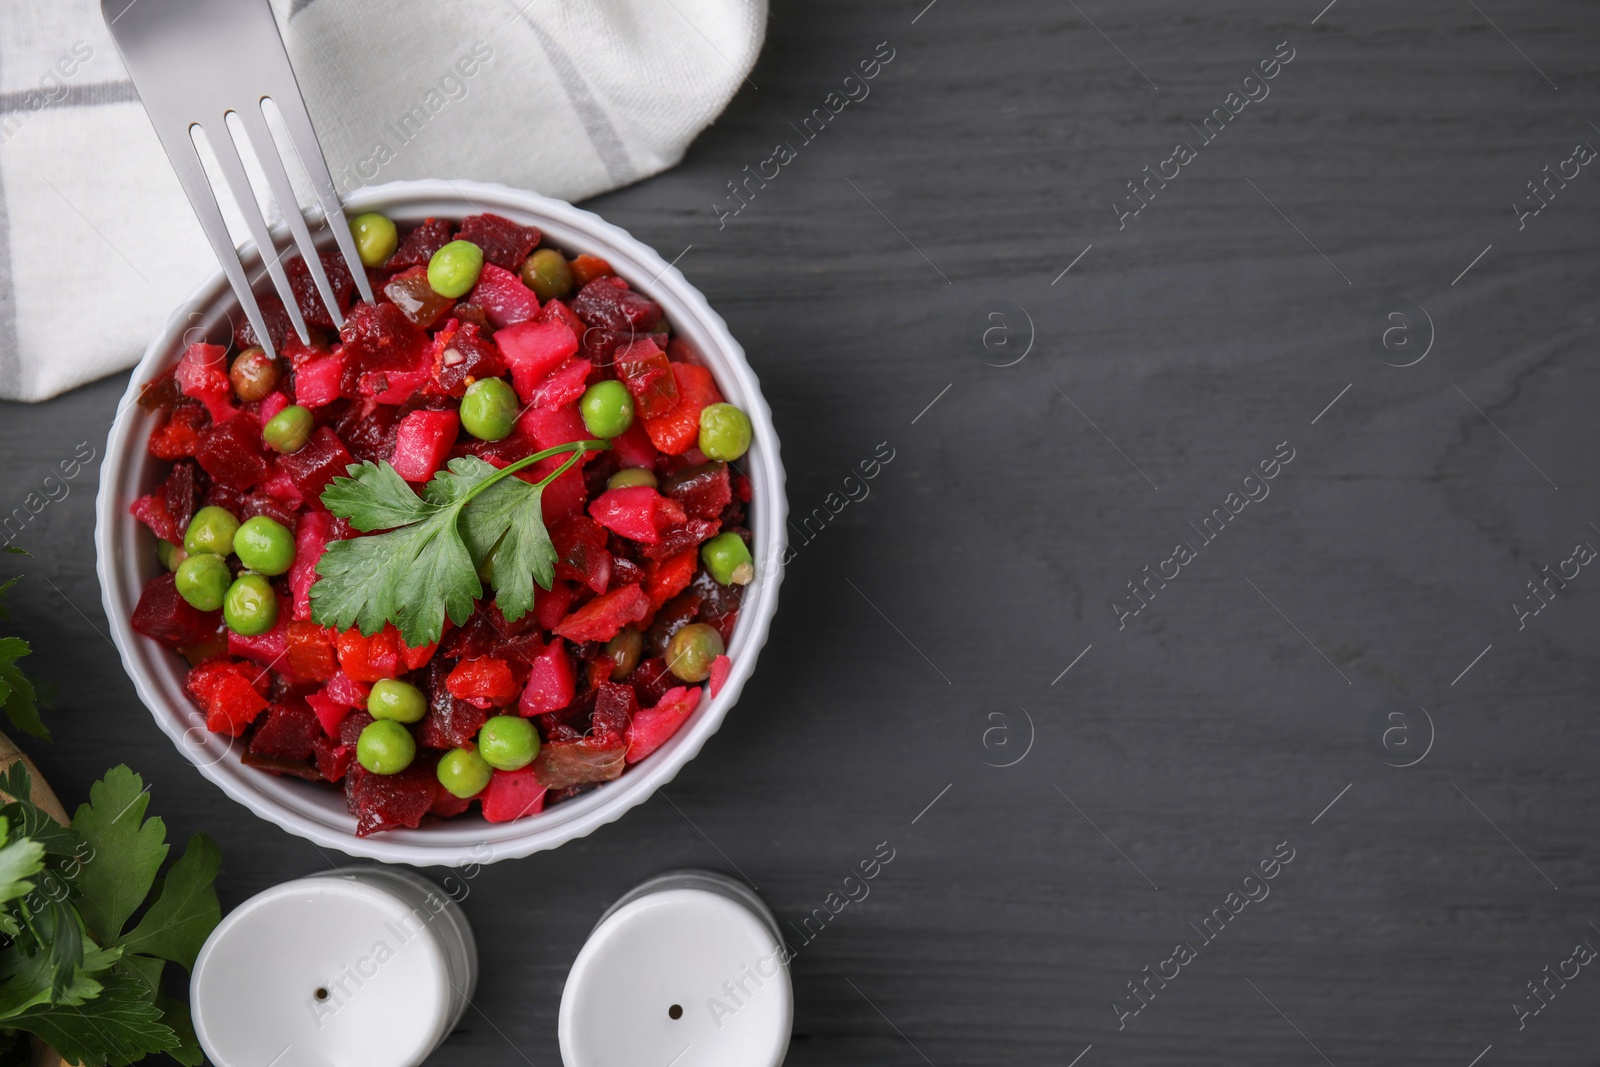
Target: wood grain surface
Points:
(1355, 616)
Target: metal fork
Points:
(195, 62)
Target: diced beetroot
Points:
(368, 429)
(231, 452)
(652, 727)
(423, 442)
(203, 374)
(420, 245)
(417, 300)
(633, 448)
(310, 541)
(395, 386)
(309, 298)
(288, 732)
(586, 268)
(677, 431)
(330, 713)
(485, 682)
(550, 427)
(224, 691)
(513, 794)
(563, 497)
(386, 801)
(167, 617)
(446, 804)
(351, 725)
(333, 759)
(703, 490)
(450, 723)
(181, 492)
(279, 326)
(378, 339)
(262, 503)
(602, 617)
(550, 605)
(369, 659)
(651, 679)
(608, 302)
(315, 465)
(666, 578)
(505, 243)
(279, 486)
(581, 553)
(462, 355)
(563, 386)
(316, 383)
(557, 311)
(341, 689)
(590, 759)
(678, 538)
(269, 407)
(308, 651)
(625, 571)
(614, 705)
(550, 683)
(299, 352)
(719, 673)
(532, 350)
(503, 297)
(647, 373)
(151, 509)
(636, 512)
(179, 436)
(266, 649)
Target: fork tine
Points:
(266, 150)
(298, 122)
(185, 159)
(244, 196)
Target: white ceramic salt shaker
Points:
(688, 970)
(365, 967)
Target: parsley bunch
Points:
(76, 969)
(471, 519)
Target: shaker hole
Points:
(322, 993)
(675, 1012)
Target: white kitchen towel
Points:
(569, 98)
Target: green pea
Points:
(691, 650)
(727, 557)
(607, 409)
(264, 545)
(724, 432)
(203, 580)
(288, 430)
(376, 238)
(489, 409)
(393, 699)
(463, 772)
(625, 650)
(628, 477)
(211, 530)
(171, 555)
(508, 742)
(548, 274)
(385, 747)
(454, 269)
(250, 606)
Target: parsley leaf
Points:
(181, 918)
(116, 1027)
(424, 564)
(127, 851)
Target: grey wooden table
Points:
(1074, 379)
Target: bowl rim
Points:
(289, 803)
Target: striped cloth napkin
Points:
(566, 97)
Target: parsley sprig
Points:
(470, 518)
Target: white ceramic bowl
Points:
(316, 811)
